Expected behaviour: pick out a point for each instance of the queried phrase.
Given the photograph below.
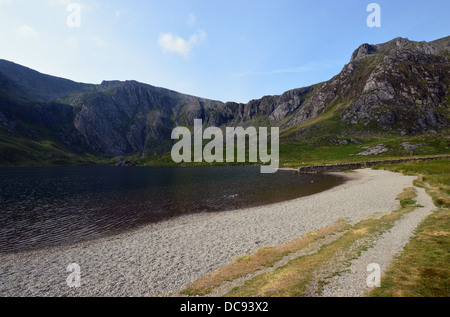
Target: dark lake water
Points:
(47, 207)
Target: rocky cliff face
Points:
(400, 86)
(128, 117)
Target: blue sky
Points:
(225, 50)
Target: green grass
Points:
(324, 150)
(18, 151)
(434, 173)
(423, 268)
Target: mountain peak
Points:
(110, 83)
(399, 43)
(363, 51)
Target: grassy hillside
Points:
(19, 151)
(327, 151)
(332, 150)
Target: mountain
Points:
(400, 85)
(24, 84)
(396, 88)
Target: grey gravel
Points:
(353, 283)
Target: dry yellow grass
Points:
(406, 194)
(263, 258)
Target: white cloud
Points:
(172, 43)
(26, 31)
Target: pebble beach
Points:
(160, 259)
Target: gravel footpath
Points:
(354, 282)
(160, 259)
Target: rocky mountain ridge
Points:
(400, 86)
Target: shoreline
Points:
(160, 259)
(103, 237)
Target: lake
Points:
(57, 206)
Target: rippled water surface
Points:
(47, 207)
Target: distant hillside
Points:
(396, 88)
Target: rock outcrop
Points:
(400, 85)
